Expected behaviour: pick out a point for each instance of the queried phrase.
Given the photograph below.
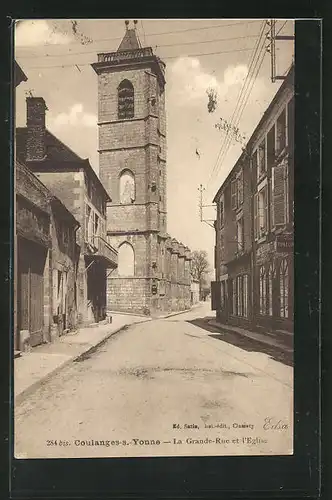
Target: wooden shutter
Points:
(256, 215)
(240, 188)
(266, 220)
(279, 194)
(234, 194)
(254, 165)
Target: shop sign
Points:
(284, 243)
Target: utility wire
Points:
(239, 98)
(157, 46)
(227, 143)
(199, 54)
(154, 34)
(242, 110)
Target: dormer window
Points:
(125, 100)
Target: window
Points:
(281, 132)
(233, 285)
(240, 188)
(234, 194)
(270, 282)
(261, 160)
(221, 213)
(125, 100)
(127, 187)
(96, 229)
(126, 260)
(88, 224)
(280, 194)
(261, 212)
(65, 234)
(284, 285)
(240, 296)
(240, 234)
(239, 287)
(262, 290)
(245, 295)
(237, 191)
(270, 147)
(222, 248)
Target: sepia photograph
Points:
(154, 237)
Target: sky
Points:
(200, 55)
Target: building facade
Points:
(46, 262)
(194, 292)
(152, 275)
(74, 182)
(255, 225)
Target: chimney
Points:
(36, 148)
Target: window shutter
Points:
(256, 215)
(234, 194)
(240, 188)
(266, 220)
(279, 194)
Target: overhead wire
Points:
(199, 54)
(228, 139)
(220, 26)
(195, 42)
(239, 98)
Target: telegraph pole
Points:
(272, 48)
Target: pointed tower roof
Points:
(130, 40)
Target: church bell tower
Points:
(132, 167)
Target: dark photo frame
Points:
(296, 476)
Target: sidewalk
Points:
(176, 313)
(34, 368)
(281, 342)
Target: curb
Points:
(19, 398)
(258, 341)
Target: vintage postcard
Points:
(153, 271)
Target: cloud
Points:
(38, 32)
(191, 81)
(76, 116)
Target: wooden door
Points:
(37, 298)
(31, 262)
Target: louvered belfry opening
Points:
(125, 100)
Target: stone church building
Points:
(153, 274)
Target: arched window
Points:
(262, 290)
(125, 100)
(126, 260)
(127, 187)
(284, 284)
(270, 281)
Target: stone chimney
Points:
(36, 147)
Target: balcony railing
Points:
(124, 55)
(98, 247)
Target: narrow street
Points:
(162, 388)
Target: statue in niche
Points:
(127, 188)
